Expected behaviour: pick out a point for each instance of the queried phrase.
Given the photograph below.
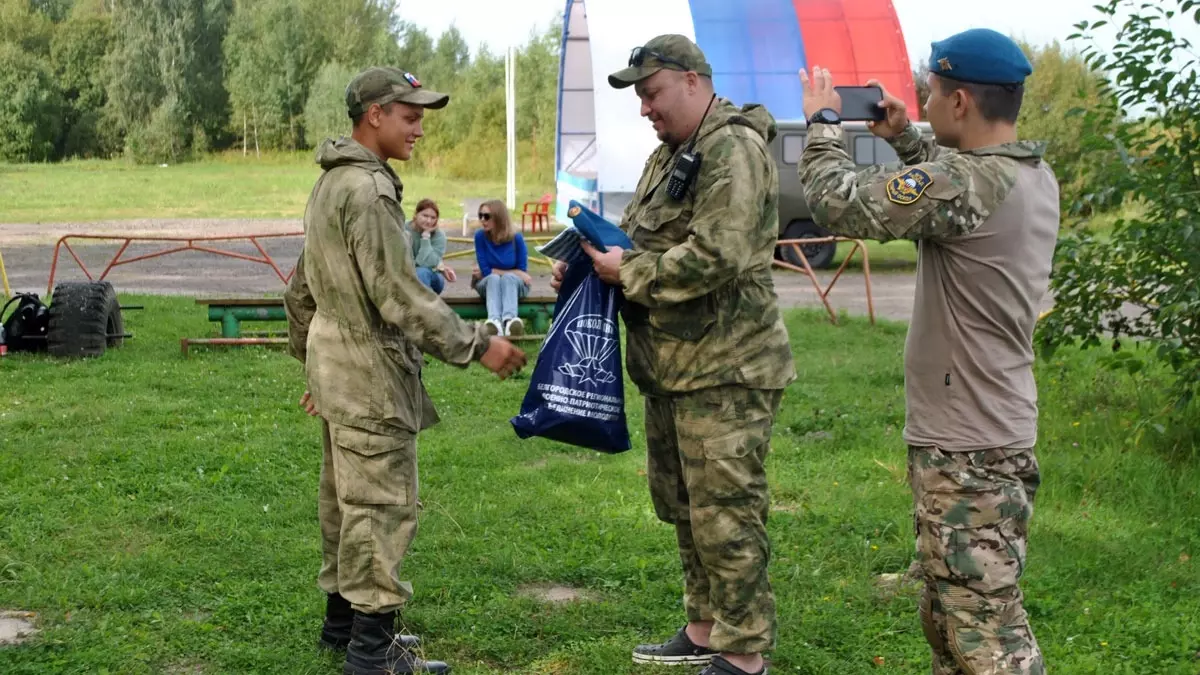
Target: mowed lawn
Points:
(158, 513)
(275, 186)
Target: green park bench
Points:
(536, 311)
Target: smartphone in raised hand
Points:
(861, 104)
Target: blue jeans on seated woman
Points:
(431, 278)
(502, 292)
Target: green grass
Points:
(230, 186)
(159, 514)
(218, 186)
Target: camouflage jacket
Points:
(988, 221)
(960, 189)
(358, 317)
(701, 309)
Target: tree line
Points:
(165, 80)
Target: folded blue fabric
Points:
(589, 225)
(598, 231)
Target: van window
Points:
(864, 150)
(793, 147)
(884, 153)
(872, 150)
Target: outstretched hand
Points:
(819, 92)
(503, 357)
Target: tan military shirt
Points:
(987, 221)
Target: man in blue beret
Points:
(984, 207)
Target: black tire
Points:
(82, 317)
(820, 256)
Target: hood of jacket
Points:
(752, 115)
(349, 152)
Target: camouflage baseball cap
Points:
(384, 85)
(673, 52)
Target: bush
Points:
(325, 111)
(1142, 281)
(165, 139)
(31, 107)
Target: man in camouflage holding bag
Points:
(707, 347)
(359, 318)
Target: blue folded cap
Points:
(598, 231)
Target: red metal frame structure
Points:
(188, 244)
(859, 247)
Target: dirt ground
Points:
(28, 250)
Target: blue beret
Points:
(980, 55)
(598, 231)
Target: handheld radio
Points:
(688, 164)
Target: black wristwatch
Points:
(825, 116)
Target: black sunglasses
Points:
(638, 56)
(485, 216)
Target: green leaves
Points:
(31, 107)
(1141, 281)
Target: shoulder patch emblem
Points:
(575, 210)
(907, 187)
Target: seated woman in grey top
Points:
(429, 246)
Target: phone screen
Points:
(861, 103)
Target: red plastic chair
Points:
(538, 213)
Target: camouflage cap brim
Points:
(424, 98)
(632, 75)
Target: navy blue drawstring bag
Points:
(577, 391)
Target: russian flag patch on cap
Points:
(416, 84)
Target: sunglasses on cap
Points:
(485, 216)
(638, 56)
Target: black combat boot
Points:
(339, 620)
(375, 649)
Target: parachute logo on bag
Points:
(576, 394)
(594, 338)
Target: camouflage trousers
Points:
(972, 512)
(368, 513)
(705, 468)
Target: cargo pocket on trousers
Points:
(970, 538)
(733, 468)
(373, 469)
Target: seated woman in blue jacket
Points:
(503, 263)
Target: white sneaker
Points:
(493, 327)
(514, 327)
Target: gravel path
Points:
(28, 250)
